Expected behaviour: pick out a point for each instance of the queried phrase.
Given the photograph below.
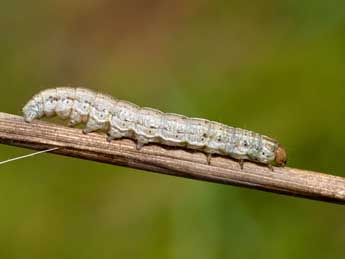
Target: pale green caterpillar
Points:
(121, 119)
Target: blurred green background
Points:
(275, 67)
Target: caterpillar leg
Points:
(141, 141)
(91, 126)
(270, 167)
(241, 162)
(209, 157)
(114, 134)
(75, 119)
(72, 123)
(87, 130)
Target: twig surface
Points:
(177, 162)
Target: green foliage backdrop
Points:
(276, 67)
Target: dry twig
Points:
(42, 135)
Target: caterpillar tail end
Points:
(29, 115)
(33, 109)
(28, 118)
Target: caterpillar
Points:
(122, 119)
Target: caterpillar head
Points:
(280, 156)
(33, 109)
(266, 153)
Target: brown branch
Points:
(41, 135)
